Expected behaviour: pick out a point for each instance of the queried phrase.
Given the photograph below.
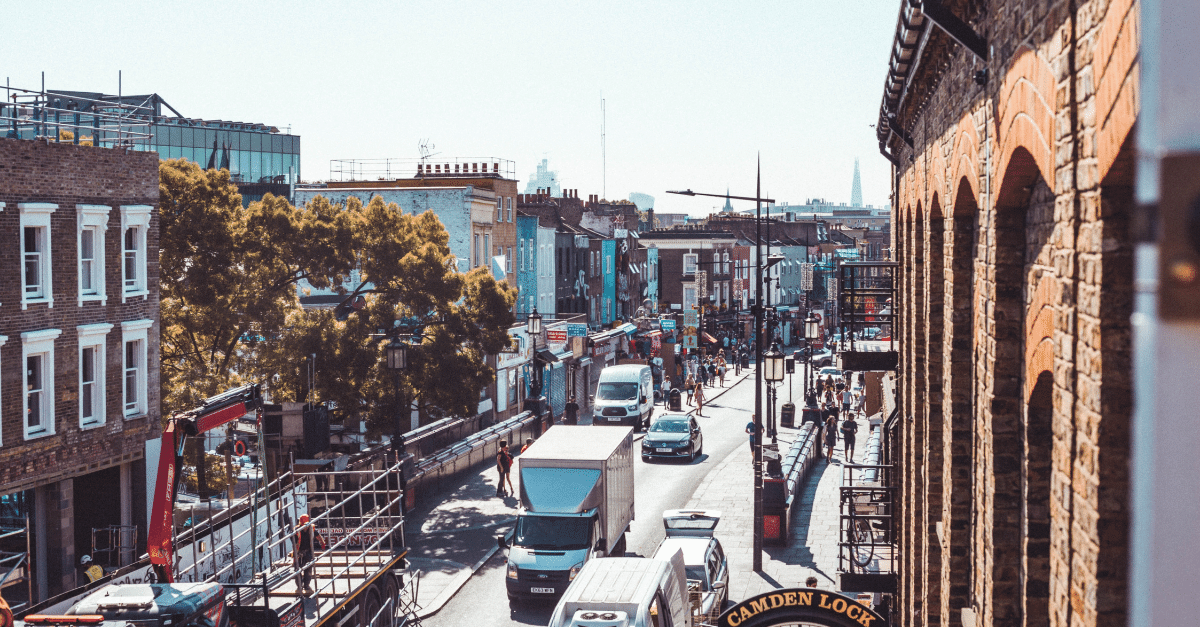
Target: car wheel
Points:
(692, 453)
(646, 458)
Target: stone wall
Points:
(1012, 207)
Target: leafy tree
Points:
(229, 273)
(407, 275)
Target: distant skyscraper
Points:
(644, 202)
(856, 189)
(544, 179)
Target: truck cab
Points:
(624, 397)
(144, 605)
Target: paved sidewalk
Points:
(455, 534)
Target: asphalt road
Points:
(659, 486)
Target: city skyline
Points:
(692, 96)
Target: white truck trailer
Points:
(576, 485)
(626, 592)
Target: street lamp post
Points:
(533, 326)
(773, 372)
(812, 329)
(756, 427)
(397, 362)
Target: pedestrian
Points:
(712, 372)
(811, 582)
(849, 430)
(666, 389)
(528, 443)
(690, 386)
(571, 411)
(750, 428)
(504, 468)
(847, 400)
(302, 554)
(704, 373)
(830, 435)
(721, 365)
(699, 400)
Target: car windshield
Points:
(670, 426)
(696, 573)
(552, 532)
(617, 391)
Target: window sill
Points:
(26, 302)
(93, 298)
(127, 295)
(90, 425)
(135, 415)
(37, 435)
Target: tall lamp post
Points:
(773, 372)
(533, 326)
(757, 427)
(812, 330)
(397, 362)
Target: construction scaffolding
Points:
(76, 118)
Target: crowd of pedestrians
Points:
(833, 406)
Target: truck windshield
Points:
(552, 532)
(617, 391)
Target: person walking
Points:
(830, 435)
(666, 389)
(847, 401)
(528, 443)
(504, 462)
(704, 373)
(699, 400)
(302, 555)
(690, 386)
(849, 431)
(571, 411)
(721, 369)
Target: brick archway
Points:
(1116, 70)
(965, 156)
(1039, 332)
(1025, 117)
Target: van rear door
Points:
(695, 523)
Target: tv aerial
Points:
(426, 148)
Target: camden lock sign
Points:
(807, 606)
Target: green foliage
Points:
(407, 273)
(231, 315)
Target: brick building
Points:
(1012, 197)
(79, 338)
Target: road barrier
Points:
(780, 490)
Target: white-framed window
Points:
(135, 222)
(690, 263)
(35, 253)
(487, 247)
(716, 269)
(93, 222)
(725, 263)
(133, 363)
(499, 210)
(92, 352)
(37, 381)
(508, 263)
(508, 207)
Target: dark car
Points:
(821, 358)
(673, 436)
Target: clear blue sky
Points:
(694, 89)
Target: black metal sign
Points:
(789, 606)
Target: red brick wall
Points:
(68, 175)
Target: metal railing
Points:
(390, 169)
(867, 509)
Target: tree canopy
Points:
(231, 310)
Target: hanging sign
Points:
(577, 330)
(807, 606)
(556, 336)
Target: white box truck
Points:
(626, 592)
(576, 485)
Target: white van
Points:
(624, 397)
(626, 592)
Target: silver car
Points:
(704, 561)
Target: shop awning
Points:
(546, 356)
(627, 328)
(654, 333)
(708, 338)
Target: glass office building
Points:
(259, 157)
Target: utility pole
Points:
(758, 379)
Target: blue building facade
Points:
(526, 264)
(609, 264)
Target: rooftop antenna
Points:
(426, 148)
(603, 152)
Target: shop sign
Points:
(577, 330)
(606, 347)
(556, 336)
(667, 324)
(521, 352)
(691, 318)
(808, 606)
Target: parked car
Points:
(673, 436)
(704, 561)
(836, 373)
(823, 357)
